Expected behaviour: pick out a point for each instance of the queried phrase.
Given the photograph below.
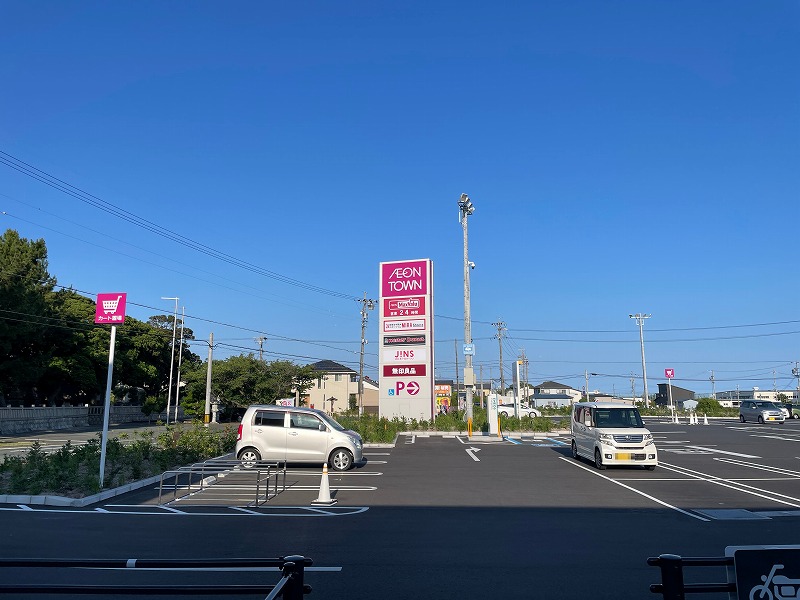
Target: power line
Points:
(125, 215)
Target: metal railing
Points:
(270, 478)
(290, 586)
(673, 587)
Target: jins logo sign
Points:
(404, 278)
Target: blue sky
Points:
(623, 157)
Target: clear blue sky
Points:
(623, 157)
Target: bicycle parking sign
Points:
(766, 572)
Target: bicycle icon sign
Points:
(783, 588)
(110, 308)
(761, 572)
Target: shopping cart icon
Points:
(110, 306)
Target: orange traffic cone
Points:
(324, 498)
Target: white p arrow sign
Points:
(472, 451)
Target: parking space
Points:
(726, 470)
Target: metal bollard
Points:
(294, 569)
(671, 566)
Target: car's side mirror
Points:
(588, 422)
(322, 427)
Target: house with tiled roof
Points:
(336, 389)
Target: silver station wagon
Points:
(296, 435)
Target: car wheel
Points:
(741, 418)
(249, 457)
(598, 460)
(795, 416)
(575, 450)
(760, 419)
(341, 460)
(650, 467)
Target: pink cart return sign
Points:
(110, 308)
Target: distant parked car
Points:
(761, 411)
(507, 410)
(793, 410)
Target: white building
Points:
(732, 398)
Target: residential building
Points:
(336, 385)
(552, 393)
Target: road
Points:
(454, 517)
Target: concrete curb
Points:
(77, 502)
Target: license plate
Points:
(772, 418)
(623, 455)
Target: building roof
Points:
(549, 385)
(330, 366)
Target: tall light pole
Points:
(171, 354)
(465, 209)
(366, 305)
(640, 317)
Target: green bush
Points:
(74, 471)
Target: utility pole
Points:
(586, 376)
(207, 414)
(465, 209)
(180, 359)
(640, 317)
(713, 386)
(525, 376)
(501, 327)
(366, 306)
(260, 339)
(455, 348)
(171, 355)
(796, 373)
(633, 388)
(481, 378)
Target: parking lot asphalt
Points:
(454, 516)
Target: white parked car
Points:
(507, 410)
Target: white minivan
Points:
(611, 434)
(296, 435)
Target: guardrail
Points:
(197, 476)
(673, 587)
(290, 586)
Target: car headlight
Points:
(607, 438)
(648, 439)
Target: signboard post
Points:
(669, 374)
(110, 308)
(406, 332)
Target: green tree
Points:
(24, 312)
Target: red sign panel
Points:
(669, 373)
(404, 278)
(404, 307)
(110, 309)
(404, 370)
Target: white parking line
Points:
(634, 490)
(733, 485)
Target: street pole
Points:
(501, 326)
(180, 359)
(171, 354)
(466, 208)
(107, 405)
(365, 306)
(640, 317)
(207, 414)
